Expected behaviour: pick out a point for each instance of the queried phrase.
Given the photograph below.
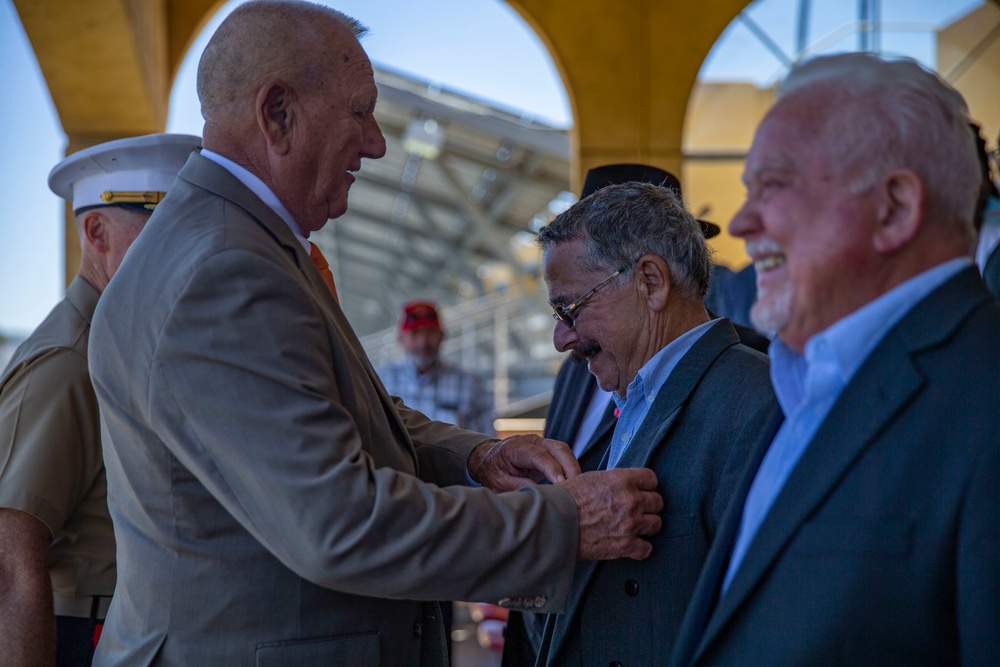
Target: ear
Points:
(653, 275)
(900, 211)
(275, 114)
(94, 231)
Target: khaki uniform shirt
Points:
(50, 446)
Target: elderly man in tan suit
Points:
(272, 504)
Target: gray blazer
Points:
(883, 548)
(698, 437)
(267, 494)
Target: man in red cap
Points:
(428, 384)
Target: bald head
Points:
(263, 40)
(288, 93)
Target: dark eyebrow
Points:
(559, 300)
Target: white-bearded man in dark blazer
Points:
(867, 529)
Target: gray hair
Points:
(877, 115)
(265, 39)
(621, 223)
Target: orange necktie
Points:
(323, 267)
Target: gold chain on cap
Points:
(149, 200)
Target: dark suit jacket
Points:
(267, 493)
(573, 389)
(732, 293)
(697, 438)
(883, 548)
(571, 394)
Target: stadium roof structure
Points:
(446, 215)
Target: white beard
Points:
(771, 311)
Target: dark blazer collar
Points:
(599, 438)
(890, 374)
(677, 389)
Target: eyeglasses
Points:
(567, 314)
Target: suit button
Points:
(631, 588)
(418, 629)
(614, 663)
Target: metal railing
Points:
(504, 337)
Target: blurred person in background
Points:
(987, 217)
(429, 384)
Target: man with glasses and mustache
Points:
(627, 269)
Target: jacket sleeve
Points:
(244, 394)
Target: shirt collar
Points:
(654, 373)
(259, 188)
(845, 344)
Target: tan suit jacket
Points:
(270, 501)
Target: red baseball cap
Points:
(419, 315)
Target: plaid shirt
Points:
(445, 393)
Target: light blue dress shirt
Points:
(808, 385)
(641, 392)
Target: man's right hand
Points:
(616, 507)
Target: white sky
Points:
(479, 47)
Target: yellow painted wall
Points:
(979, 82)
(720, 121)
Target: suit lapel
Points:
(878, 391)
(706, 592)
(206, 174)
(651, 436)
(827, 458)
(676, 390)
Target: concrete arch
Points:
(110, 64)
(628, 68)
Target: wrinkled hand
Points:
(521, 460)
(616, 508)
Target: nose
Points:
(374, 144)
(563, 335)
(745, 222)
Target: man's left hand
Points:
(520, 460)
